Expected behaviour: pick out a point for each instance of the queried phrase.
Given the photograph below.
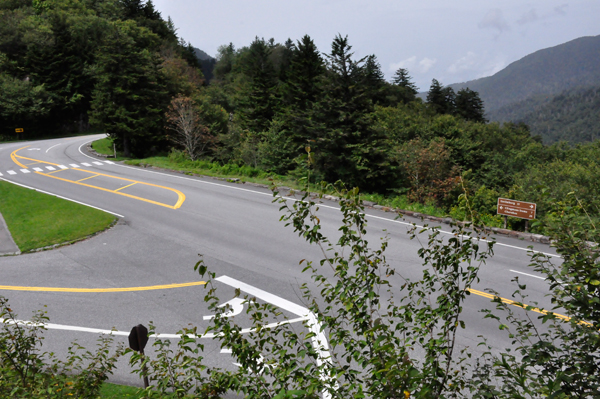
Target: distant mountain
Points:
(525, 90)
(206, 62)
(572, 116)
(545, 72)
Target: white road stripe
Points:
(85, 164)
(74, 165)
(293, 199)
(1, 174)
(53, 147)
(63, 327)
(319, 340)
(98, 163)
(530, 275)
(60, 196)
(38, 169)
(25, 171)
(62, 167)
(50, 168)
(109, 162)
(11, 172)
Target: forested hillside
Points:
(281, 108)
(67, 64)
(572, 116)
(551, 90)
(546, 72)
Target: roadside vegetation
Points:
(36, 220)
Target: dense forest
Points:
(572, 116)
(282, 108)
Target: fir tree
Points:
(470, 106)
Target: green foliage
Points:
(26, 371)
(372, 335)
(562, 360)
(177, 372)
(129, 95)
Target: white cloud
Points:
(494, 19)
(467, 62)
(529, 16)
(426, 63)
(407, 63)
(412, 64)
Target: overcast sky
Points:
(450, 40)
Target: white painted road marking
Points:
(11, 172)
(237, 306)
(62, 167)
(530, 275)
(85, 164)
(60, 196)
(50, 168)
(38, 169)
(25, 171)
(52, 147)
(97, 163)
(74, 165)
(319, 340)
(110, 162)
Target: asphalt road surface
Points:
(141, 270)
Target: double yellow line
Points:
(180, 195)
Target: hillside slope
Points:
(546, 72)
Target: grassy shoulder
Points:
(254, 175)
(115, 391)
(105, 147)
(37, 220)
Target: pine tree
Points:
(258, 100)
(129, 96)
(441, 99)
(403, 87)
(470, 106)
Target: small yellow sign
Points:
(19, 130)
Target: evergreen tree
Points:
(403, 87)
(470, 106)
(347, 147)
(441, 99)
(374, 80)
(258, 101)
(129, 95)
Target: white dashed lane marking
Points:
(72, 165)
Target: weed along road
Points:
(141, 270)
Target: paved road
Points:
(125, 276)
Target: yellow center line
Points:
(13, 156)
(129, 185)
(91, 290)
(36, 160)
(180, 195)
(521, 305)
(85, 178)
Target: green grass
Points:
(114, 391)
(105, 146)
(37, 220)
(248, 174)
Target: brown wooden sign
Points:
(516, 209)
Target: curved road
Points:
(142, 269)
